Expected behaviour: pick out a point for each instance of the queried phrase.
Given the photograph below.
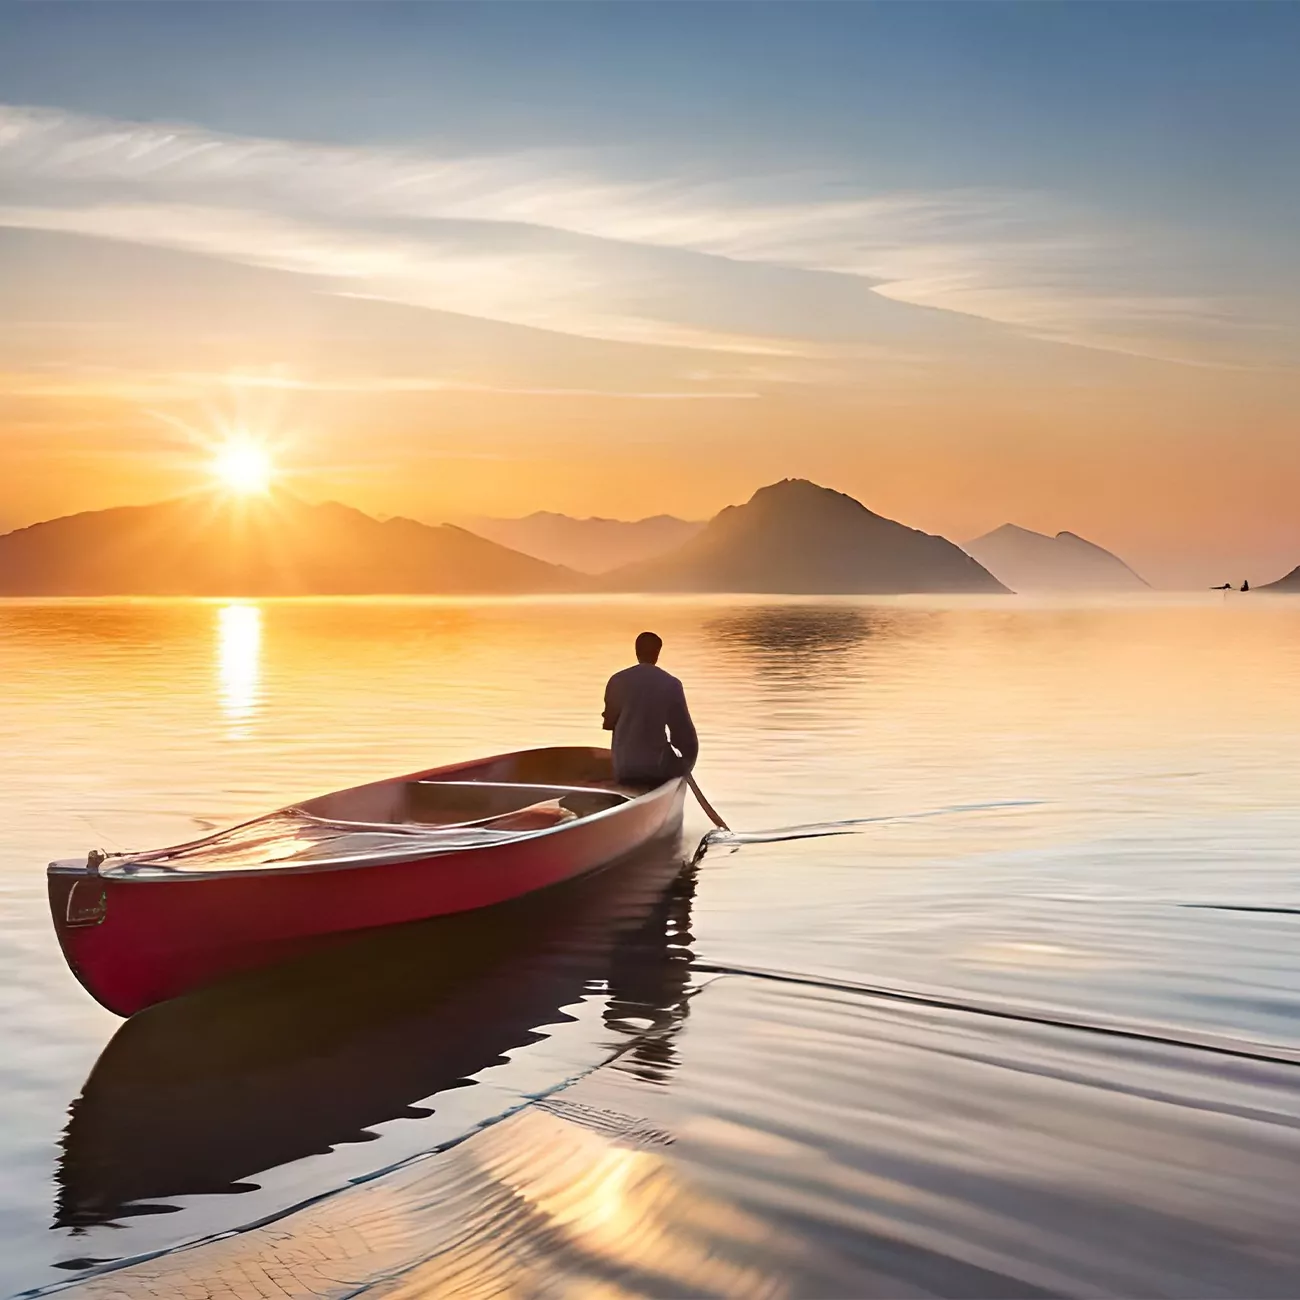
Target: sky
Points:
(971, 263)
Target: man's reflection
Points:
(649, 981)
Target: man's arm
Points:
(681, 730)
(609, 720)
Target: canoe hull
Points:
(134, 942)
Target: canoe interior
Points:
(393, 800)
(434, 802)
(450, 809)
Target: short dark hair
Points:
(648, 646)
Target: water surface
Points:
(1086, 814)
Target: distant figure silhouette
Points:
(1245, 586)
(645, 707)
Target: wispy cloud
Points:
(378, 384)
(145, 387)
(540, 239)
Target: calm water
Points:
(1088, 814)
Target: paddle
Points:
(710, 811)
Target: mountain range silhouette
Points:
(277, 545)
(792, 537)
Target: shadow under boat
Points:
(199, 1095)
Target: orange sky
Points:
(1137, 459)
(486, 282)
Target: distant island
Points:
(798, 538)
(792, 537)
(1033, 562)
(588, 545)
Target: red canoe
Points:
(142, 928)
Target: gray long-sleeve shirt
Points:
(644, 708)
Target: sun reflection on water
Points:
(239, 663)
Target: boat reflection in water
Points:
(200, 1095)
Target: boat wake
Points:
(729, 839)
(1160, 1035)
(1243, 907)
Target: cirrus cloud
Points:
(542, 240)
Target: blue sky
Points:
(1154, 104)
(894, 208)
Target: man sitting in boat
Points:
(645, 708)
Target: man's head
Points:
(647, 648)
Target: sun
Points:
(244, 466)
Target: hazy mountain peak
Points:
(553, 515)
(1015, 530)
(799, 537)
(1028, 561)
(591, 545)
(802, 493)
(1073, 539)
